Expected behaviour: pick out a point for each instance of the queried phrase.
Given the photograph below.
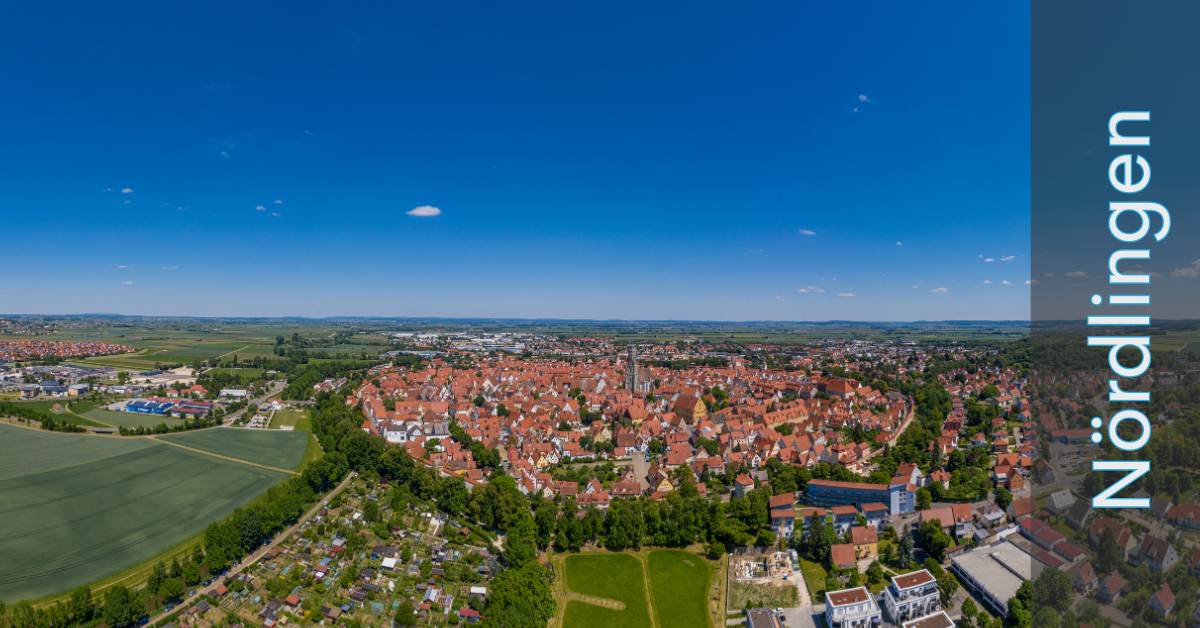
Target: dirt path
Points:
(603, 602)
(224, 457)
(641, 557)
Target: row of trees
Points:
(118, 607)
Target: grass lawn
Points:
(288, 417)
(814, 579)
(612, 576)
(748, 595)
(128, 419)
(679, 587)
(77, 509)
(276, 448)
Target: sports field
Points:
(128, 419)
(276, 448)
(655, 589)
(609, 578)
(78, 508)
(679, 587)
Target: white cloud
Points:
(278, 201)
(1008, 258)
(846, 295)
(1075, 273)
(807, 232)
(987, 281)
(128, 202)
(1188, 272)
(275, 214)
(810, 290)
(224, 154)
(778, 298)
(1006, 282)
(915, 286)
(126, 190)
(425, 211)
(260, 208)
(899, 243)
(1030, 282)
(863, 98)
(940, 290)
(988, 260)
(123, 266)
(127, 283)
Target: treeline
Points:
(118, 608)
(30, 415)
(679, 365)
(168, 428)
(302, 378)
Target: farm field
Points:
(276, 448)
(128, 419)
(679, 587)
(613, 577)
(78, 508)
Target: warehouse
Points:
(994, 573)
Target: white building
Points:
(851, 608)
(911, 596)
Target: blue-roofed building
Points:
(147, 406)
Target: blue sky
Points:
(778, 161)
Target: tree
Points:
(81, 607)
(1052, 589)
(935, 541)
(906, 548)
(820, 539)
(1019, 615)
(120, 607)
(172, 590)
(520, 598)
(1003, 498)
(405, 615)
(924, 498)
(624, 525)
(520, 546)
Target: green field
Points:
(67, 412)
(288, 417)
(679, 588)
(78, 508)
(611, 576)
(814, 578)
(128, 419)
(276, 448)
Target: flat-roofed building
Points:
(911, 596)
(994, 573)
(851, 608)
(762, 618)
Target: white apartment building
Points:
(911, 596)
(851, 608)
